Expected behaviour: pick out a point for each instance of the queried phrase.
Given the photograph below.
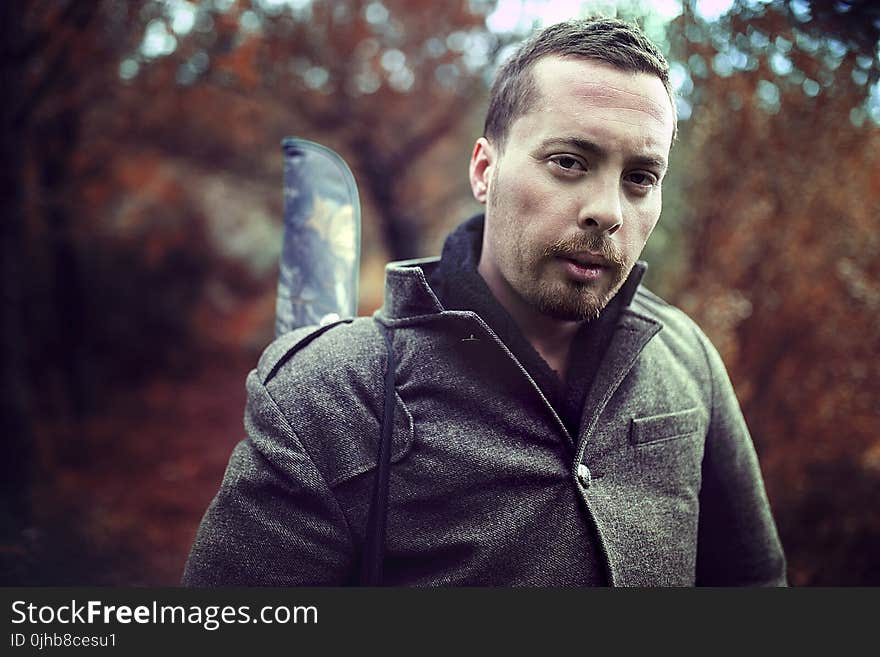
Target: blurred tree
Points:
(14, 402)
(783, 268)
(56, 59)
(92, 170)
(383, 81)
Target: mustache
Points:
(596, 244)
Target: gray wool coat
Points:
(487, 487)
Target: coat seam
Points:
(711, 372)
(308, 454)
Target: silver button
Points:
(584, 476)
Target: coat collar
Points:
(408, 294)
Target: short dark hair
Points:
(607, 40)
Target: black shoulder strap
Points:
(374, 543)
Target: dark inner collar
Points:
(459, 286)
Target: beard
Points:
(574, 300)
(564, 299)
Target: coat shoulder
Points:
(316, 351)
(673, 318)
(326, 374)
(328, 383)
(652, 305)
(679, 333)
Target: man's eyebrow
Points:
(588, 146)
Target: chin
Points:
(571, 306)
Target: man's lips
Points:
(584, 268)
(587, 259)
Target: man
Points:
(554, 423)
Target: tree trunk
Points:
(15, 509)
(397, 228)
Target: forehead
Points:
(593, 97)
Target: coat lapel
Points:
(633, 332)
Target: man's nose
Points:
(601, 206)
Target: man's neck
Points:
(549, 336)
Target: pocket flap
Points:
(657, 428)
(401, 442)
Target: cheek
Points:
(528, 190)
(642, 224)
(534, 211)
(646, 229)
(523, 199)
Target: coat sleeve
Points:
(738, 543)
(274, 521)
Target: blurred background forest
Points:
(142, 205)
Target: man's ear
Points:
(482, 161)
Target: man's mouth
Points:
(585, 267)
(587, 260)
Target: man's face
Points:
(575, 193)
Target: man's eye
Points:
(642, 178)
(568, 162)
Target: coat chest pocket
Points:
(662, 428)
